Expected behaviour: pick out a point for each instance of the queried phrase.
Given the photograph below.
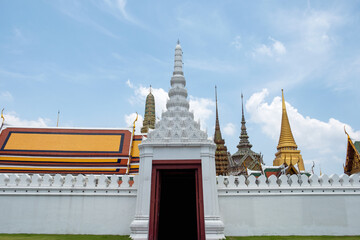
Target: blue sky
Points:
(94, 61)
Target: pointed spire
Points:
(177, 122)
(221, 156)
(178, 64)
(149, 118)
(244, 138)
(217, 135)
(287, 148)
(286, 137)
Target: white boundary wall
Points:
(297, 205)
(99, 205)
(66, 204)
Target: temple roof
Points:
(286, 137)
(244, 147)
(244, 138)
(65, 150)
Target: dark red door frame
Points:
(159, 165)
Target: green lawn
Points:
(112, 237)
(60, 237)
(295, 238)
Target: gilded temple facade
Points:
(287, 153)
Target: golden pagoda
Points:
(287, 149)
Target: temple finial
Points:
(3, 118)
(150, 88)
(242, 107)
(178, 64)
(58, 117)
(217, 124)
(244, 138)
(178, 41)
(283, 100)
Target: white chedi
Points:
(177, 124)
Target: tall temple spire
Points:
(286, 137)
(244, 138)
(217, 134)
(287, 148)
(221, 156)
(244, 158)
(177, 122)
(149, 118)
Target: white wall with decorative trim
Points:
(295, 205)
(67, 204)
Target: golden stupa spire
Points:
(287, 148)
(286, 137)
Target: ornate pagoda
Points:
(352, 164)
(287, 149)
(149, 118)
(221, 154)
(244, 158)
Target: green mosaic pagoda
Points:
(221, 154)
(149, 118)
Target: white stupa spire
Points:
(177, 123)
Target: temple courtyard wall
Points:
(295, 205)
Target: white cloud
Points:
(114, 7)
(140, 93)
(12, 120)
(202, 108)
(278, 47)
(77, 11)
(129, 120)
(230, 129)
(237, 42)
(275, 49)
(6, 96)
(321, 142)
(130, 85)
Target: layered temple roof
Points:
(221, 154)
(244, 158)
(75, 151)
(287, 148)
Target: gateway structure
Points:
(177, 196)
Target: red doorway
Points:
(176, 204)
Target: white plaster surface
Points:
(330, 207)
(66, 208)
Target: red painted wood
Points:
(156, 189)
